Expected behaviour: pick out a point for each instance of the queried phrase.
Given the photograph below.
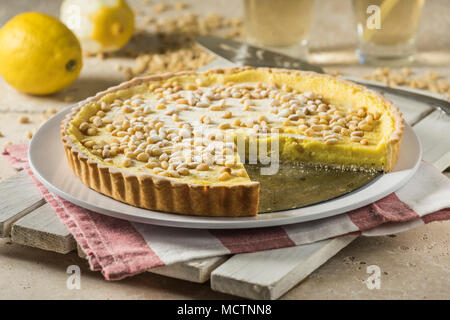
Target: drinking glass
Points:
(279, 25)
(387, 30)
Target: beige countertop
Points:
(414, 264)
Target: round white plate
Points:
(48, 163)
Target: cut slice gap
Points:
(296, 186)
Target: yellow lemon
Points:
(101, 25)
(38, 54)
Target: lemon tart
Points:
(177, 142)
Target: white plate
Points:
(48, 163)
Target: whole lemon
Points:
(101, 25)
(38, 54)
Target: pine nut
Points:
(24, 119)
(91, 131)
(331, 141)
(227, 115)
(224, 176)
(224, 126)
(126, 162)
(89, 144)
(225, 169)
(158, 170)
(317, 127)
(142, 157)
(164, 165)
(84, 127)
(241, 173)
(365, 127)
(357, 133)
(202, 167)
(309, 132)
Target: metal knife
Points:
(247, 55)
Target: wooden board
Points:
(42, 229)
(19, 196)
(198, 270)
(443, 163)
(270, 274)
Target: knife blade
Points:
(244, 54)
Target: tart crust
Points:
(155, 192)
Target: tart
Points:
(177, 142)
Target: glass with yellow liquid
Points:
(387, 30)
(280, 25)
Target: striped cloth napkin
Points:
(121, 248)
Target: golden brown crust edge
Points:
(162, 194)
(155, 192)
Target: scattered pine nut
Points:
(24, 119)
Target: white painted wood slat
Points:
(270, 274)
(42, 229)
(19, 196)
(443, 163)
(198, 270)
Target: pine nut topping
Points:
(241, 173)
(126, 162)
(92, 131)
(331, 141)
(357, 133)
(202, 167)
(224, 176)
(183, 171)
(84, 127)
(24, 119)
(225, 169)
(142, 157)
(227, 115)
(161, 133)
(224, 126)
(152, 164)
(365, 126)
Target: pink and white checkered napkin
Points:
(121, 248)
